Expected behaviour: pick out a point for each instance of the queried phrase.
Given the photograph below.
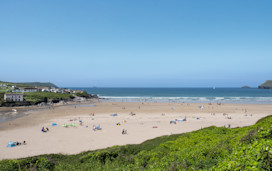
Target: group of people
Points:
(132, 113)
(19, 143)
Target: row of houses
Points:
(20, 90)
(46, 89)
(3, 85)
(35, 89)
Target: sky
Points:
(140, 43)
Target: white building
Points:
(14, 97)
(17, 90)
(3, 85)
(30, 90)
(45, 90)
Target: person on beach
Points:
(124, 131)
(43, 130)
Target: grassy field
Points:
(2, 90)
(45, 96)
(213, 148)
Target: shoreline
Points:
(150, 120)
(25, 110)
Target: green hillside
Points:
(30, 84)
(39, 84)
(213, 148)
(266, 85)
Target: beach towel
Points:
(11, 144)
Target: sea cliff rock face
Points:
(266, 85)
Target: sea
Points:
(183, 95)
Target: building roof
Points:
(14, 94)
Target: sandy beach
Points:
(150, 120)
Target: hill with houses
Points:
(22, 94)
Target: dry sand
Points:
(139, 127)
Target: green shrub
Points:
(37, 97)
(83, 94)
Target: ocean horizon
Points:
(183, 95)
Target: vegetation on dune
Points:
(247, 148)
(83, 94)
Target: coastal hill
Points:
(40, 84)
(37, 92)
(266, 85)
(29, 84)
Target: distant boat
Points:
(14, 110)
(213, 87)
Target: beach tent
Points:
(11, 144)
(66, 126)
(54, 124)
(98, 127)
(73, 124)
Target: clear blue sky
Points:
(140, 43)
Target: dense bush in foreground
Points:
(247, 148)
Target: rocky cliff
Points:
(266, 85)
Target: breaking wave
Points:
(253, 100)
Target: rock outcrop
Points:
(266, 85)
